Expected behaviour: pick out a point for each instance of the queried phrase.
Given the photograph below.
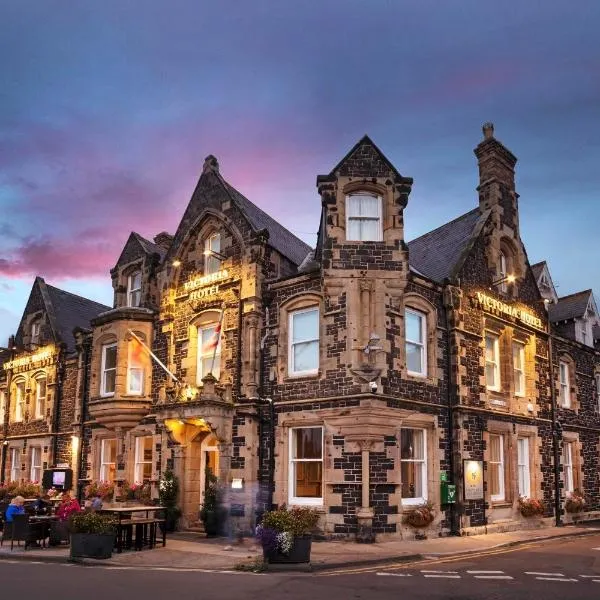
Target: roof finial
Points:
(210, 164)
(488, 130)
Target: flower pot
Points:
(92, 545)
(299, 553)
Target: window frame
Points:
(130, 368)
(103, 370)
(291, 343)
(138, 465)
(497, 387)
(360, 218)
(423, 345)
(425, 491)
(2, 407)
(201, 356)
(132, 291)
(33, 467)
(568, 466)
(501, 496)
(523, 467)
(210, 260)
(299, 500)
(41, 414)
(103, 463)
(36, 328)
(565, 399)
(15, 452)
(20, 401)
(519, 373)
(597, 380)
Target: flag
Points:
(136, 351)
(212, 343)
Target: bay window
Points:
(303, 351)
(492, 362)
(143, 458)
(40, 397)
(363, 218)
(496, 465)
(306, 465)
(416, 339)
(134, 289)
(209, 351)
(108, 370)
(413, 465)
(523, 475)
(565, 392)
(35, 471)
(108, 460)
(135, 368)
(519, 368)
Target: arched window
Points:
(419, 353)
(212, 251)
(502, 271)
(20, 400)
(40, 396)
(209, 346)
(363, 218)
(136, 359)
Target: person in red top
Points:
(67, 507)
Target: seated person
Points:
(16, 507)
(96, 502)
(42, 504)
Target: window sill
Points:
(313, 502)
(500, 504)
(306, 375)
(412, 502)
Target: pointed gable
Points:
(541, 274)
(573, 306)
(137, 247)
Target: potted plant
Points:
(104, 490)
(531, 507)
(286, 534)
(212, 513)
(168, 490)
(92, 535)
(575, 502)
(419, 518)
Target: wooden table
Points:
(123, 524)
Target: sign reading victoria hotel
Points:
(43, 358)
(497, 307)
(206, 286)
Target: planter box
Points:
(92, 545)
(300, 552)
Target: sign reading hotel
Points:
(206, 286)
(43, 358)
(496, 307)
(473, 479)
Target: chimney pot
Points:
(488, 130)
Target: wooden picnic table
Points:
(145, 526)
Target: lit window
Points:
(20, 401)
(497, 467)
(35, 332)
(363, 218)
(143, 459)
(109, 370)
(502, 271)
(15, 464)
(413, 466)
(108, 460)
(568, 466)
(306, 465)
(209, 351)
(598, 391)
(134, 289)
(524, 485)
(519, 368)
(35, 474)
(492, 362)
(212, 263)
(565, 394)
(135, 368)
(2, 408)
(303, 353)
(40, 397)
(416, 335)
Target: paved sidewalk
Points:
(215, 554)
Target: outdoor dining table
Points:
(46, 522)
(125, 520)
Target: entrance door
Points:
(210, 461)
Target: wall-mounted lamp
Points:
(218, 255)
(506, 279)
(176, 263)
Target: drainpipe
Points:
(238, 366)
(555, 432)
(84, 403)
(60, 370)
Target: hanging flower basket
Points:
(575, 502)
(419, 517)
(530, 507)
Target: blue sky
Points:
(108, 109)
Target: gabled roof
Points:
(280, 238)
(537, 269)
(148, 246)
(437, 253)
(569, 307)
(136, 246)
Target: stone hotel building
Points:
(363, 377)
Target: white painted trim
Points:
(103, 393)
(293, 500)
(317, 340)
(423, 317)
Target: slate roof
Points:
(435, 254)
(72, 311)
(148, 246)
(283, 240)
(569, 307)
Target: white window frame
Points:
(423, 498)
(139, 457)
(496, 361)
(131, 369)
(583, 330)
(564, 384)
(103, 371)
(35, 332)
(15, 464)
(567, 457)
(502, 274)
(103, 463)
(501, 495)
(208, 356)
(134, 293)
(519, 371)
(523, 468)
(291, 367)
(362, 218)
(35, 468)
(40, 414)
(293, 500)
(2, 407)
(597, 379)
(421, 345)
(212, 263)
(20, 401)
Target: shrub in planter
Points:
(105, 490)
(168, 490)
(285, 534)
(92, 535)
(212, 513)
(530, 507)
(419, 517)
(575, 502)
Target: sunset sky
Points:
(108, 109)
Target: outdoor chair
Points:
(21, 530)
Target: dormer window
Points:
(35, 332)
(134, 289)
(212, 251)
(584, 337)
(363, 218)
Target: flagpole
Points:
(154, 356)
(219, 326)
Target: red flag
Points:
(213, 342)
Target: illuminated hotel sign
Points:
(502, 309)
(43, 358)
(201, 288)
